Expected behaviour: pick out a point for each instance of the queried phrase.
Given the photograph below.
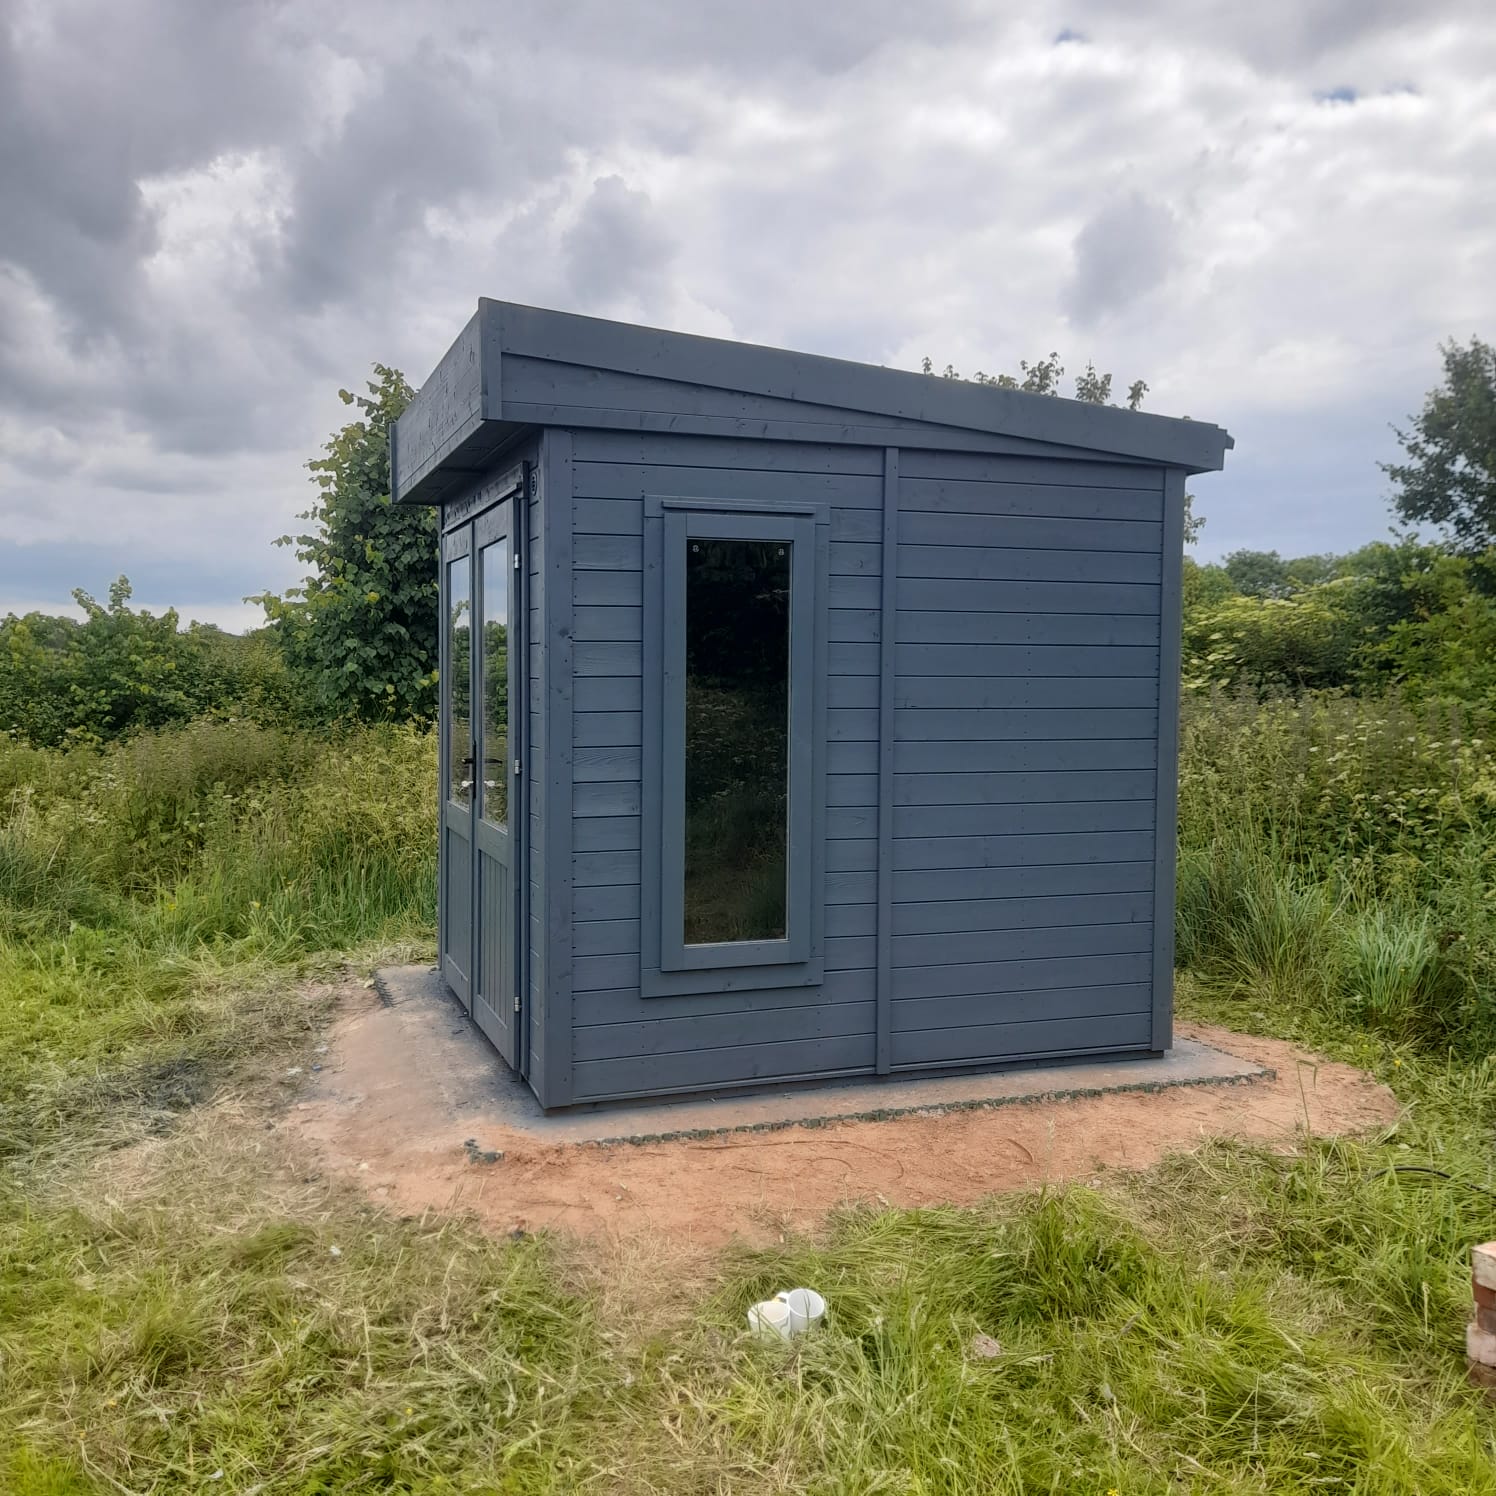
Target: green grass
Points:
(1233, 1321)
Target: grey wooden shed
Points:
(800, 718)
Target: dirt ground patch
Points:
(407, 1149)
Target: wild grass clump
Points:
(156, 895)
(179, 1345)
(1337, 855)
(1064, 1343)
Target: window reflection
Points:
(737, 750)
(496, 579)
(459, 681)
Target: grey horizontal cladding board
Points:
(852, 854)
(980, 596)
(607, 624)
(607, 589)
(741, 1064)
(947, 885)
(617, 902)
(936, 917)
(608, 552)
(857, 524)
(607, 834)
(977, 1009)
(620, 352)
(626, 1004)
(852, 822)
(997, 788)
(974, 627)
(595, 973)
(853, 659)
(981, 467)
(1023, 818)
(851, 789)
(853, 625)
(968, 691)
(1026, 532)
(1068, 496)
(963, 756)
(1022, 851)
(675, 1036)
(851, 919)
(604, 937)
(1022, 944)
(856, 558)
(995, 563)
(854, 591)
(590, 869)
(1044, 972)
(852, 758)
(608, 516)
(606, 763)
(856, 691)
(1001, 724)
(852, 725)
(608, 659)
(598, 483)
(606, 729)
(605, 694)
(1000, 1041)
(854, 887)
(646, 448)
(605, 797)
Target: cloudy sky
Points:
(214, 215)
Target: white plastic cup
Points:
(770, 1319)
(806, 1309)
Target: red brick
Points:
(1482, 1376)
(1485, 1298)
(1483, 1264)
(1480, 1345)
(1485, 1319)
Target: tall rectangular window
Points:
(732, 856)
(494, 664)
(460, 681)
(737, 687)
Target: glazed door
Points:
(498, 700)
(458, 780)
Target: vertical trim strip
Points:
(887, 636)
(1166, 819)
(555, 1086)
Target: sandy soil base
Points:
(406, 1148)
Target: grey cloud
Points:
(617, 247)
(1123, 252)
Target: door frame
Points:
(456, 545)
(463, 538)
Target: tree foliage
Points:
(123, 669)
(1449, 478)
(360, 633)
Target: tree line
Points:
(357, 638)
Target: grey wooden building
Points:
(800, 718)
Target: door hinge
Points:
(516, 560)
(516, 1002)
(519, 768)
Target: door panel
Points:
(496, 702)
(457, 771)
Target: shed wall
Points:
(1025, 674)
(1020, 793)
(623, 1043)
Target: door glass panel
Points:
(496, 579)
(737, 742)
(459, 681)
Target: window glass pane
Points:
(496, 578)
(737, 749)
(459, 681)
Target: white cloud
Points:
(1272, 213)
